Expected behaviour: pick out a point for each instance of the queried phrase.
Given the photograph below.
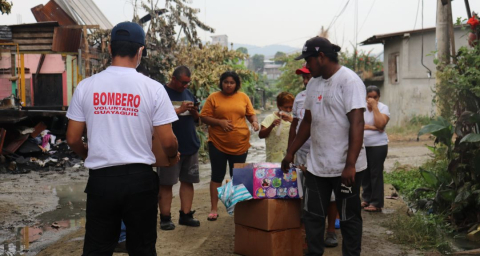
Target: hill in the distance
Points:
(269, 50)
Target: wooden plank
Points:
(30, 35)
(3, 132)
(81, 26)
(34, 41)
(35, 47)
(32, 29)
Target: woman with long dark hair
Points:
(226, 112)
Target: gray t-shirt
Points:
(330, 100)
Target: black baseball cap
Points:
(130, 32)
(314, 46)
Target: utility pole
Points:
(442, 35)
(451, 32)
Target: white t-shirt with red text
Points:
(120, 107)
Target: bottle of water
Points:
(279, 128)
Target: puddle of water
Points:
(69, 215)
(71, 211)
(463, 244)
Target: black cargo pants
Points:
(128, 193)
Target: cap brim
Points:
(304, 55)
(303, 70)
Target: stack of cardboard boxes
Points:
(268, 227)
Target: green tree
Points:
(242, 50)
(288, 80)
(278, 57)
(364, 61)
(5, 7)
(257, 63)
(163, 36)
(208, 62)
(162, 39)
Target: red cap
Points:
(303, 70)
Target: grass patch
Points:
(412, 127)
(419, 231)
(405, 179)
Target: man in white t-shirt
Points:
(302, 153)
(121, 109)
(334, 120)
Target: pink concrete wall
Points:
(53, 64)
(5, 86)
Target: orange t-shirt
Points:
(232, 107)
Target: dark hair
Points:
(181, 70)
(124, 48)
(331, 55)
(284, 97)
(373, 88)
(232, 75)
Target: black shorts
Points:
(218, 161)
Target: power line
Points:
(368, 14)
(416, 16)
(337, 16)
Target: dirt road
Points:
(25, 231)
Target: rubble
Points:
(37, 149)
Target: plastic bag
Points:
(231, 195)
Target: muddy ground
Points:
(42, 213)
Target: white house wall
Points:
(413, 94)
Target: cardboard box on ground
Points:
(268, 214)
(268, 226)
(251, 241)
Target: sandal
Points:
(372, 208)
(364, 204)
(212, 217)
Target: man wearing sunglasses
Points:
(186, 170)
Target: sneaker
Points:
(337, 224)
(331, 240)
(166, 222)
(188, 220)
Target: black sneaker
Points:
(188, 220)
(166, 222)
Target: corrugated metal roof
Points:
(378, 39)
(85, 12)
(52, 12)
(66, 39)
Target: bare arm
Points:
(74, 138)
(370, 127)
(225, 124)
(380, 120)
(293, 132)
(300, 139)
(265, 131)
(355, 143)
(254, 121)
(210, 121)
